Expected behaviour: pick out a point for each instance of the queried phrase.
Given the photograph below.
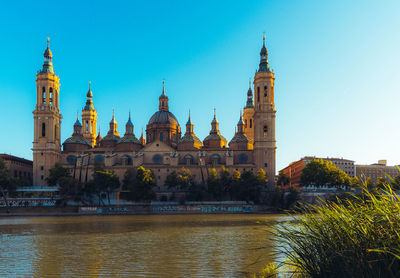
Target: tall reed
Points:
(354, 237)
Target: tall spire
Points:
(163, 88)
(129, 126)
(141, 139)
(264, 65)
(249, 102)
(189, 126)
(89, 99)
(48, 57)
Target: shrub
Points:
(357, 237)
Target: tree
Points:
(355, 182)
(319, 172)
(56, 173)
(381, 183)
(181, 179)
(292, 197)
(70, 189)
(6, 181)
(103, 182)
(283, 180)
(140, 183)
(213, 185)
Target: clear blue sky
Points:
(336, 63)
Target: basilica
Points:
(164, 147)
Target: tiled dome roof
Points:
(111, 137)
(214, 136)
(239, 138)
(129, 139)
(163, 117)
(76, 140)
(189, 138)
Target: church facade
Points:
(164, 147)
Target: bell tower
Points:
(264, 117)
(89, 119)
(47, 121)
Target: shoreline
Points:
(136, 210)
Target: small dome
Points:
(47, 53)
(111, 137)
(240, 138)
(189, 138)
(77, 140)
(163, 117)
(214, 136)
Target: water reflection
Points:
(134, 246)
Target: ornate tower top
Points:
(214, 124)
(264, 65)
(189, 125)
(48, 57)
(163, 100)
(89, 100)
(129, 126)
(113, 126)
(249, 103)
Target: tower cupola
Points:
(48, 59)
(249, 103)
(264, 65)
(77, 126)
(89, 99)
(163, 100)
(129, 126)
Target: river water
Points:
(135, 246)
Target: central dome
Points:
(163, 117)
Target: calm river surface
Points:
(135, 246)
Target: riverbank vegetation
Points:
(358, 236)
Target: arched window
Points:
(161, 136)
(188, 159)
(87, 126)
(266, 93)
(126, 159)
(251, 123)
(258, 94)
(51, 96)
(55, 132)
(43, 95)
(265, 131)
(245, 123)
(157, 159)
(43, 130)
(215, 159)
(71, 159)
(243, 158)
(99, 159)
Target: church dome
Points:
(163, 117)
(76, 139)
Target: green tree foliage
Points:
(7, 183)
(214, 186)
(56, 173)
(104, 182)
(319, 172)
(283, 180)
(181, 179)
(140, 183)
(395, 183)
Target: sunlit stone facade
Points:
(165, 147)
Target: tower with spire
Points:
(47, 120)
(248, 115)
(215, 140)
(189, 141)
(264, 117)
(89, 118)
